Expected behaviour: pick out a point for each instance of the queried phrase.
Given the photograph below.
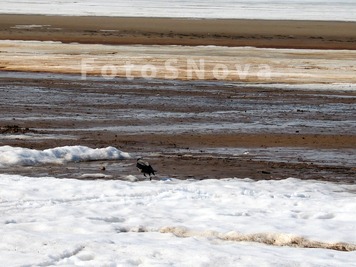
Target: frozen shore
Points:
(242, 9)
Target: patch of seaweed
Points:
(15, 129)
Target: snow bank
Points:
(230, 222)
(10, 156)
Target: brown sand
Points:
(164, 31)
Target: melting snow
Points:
(230, 222)
(10, 156)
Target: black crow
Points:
(145, 167)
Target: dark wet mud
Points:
(186, 129)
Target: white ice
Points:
(12, 156)
(344, 10)
(64, 222)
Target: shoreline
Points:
(180, 31)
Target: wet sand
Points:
(186, 129)
(170, 31)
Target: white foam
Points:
(48, 221)
(11, 156)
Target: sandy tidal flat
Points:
(205, 49)
(245, 64)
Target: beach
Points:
(249, 125)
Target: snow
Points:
(12, 156)
(244, 9)
(67, 222)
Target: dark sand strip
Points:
(171, 31)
